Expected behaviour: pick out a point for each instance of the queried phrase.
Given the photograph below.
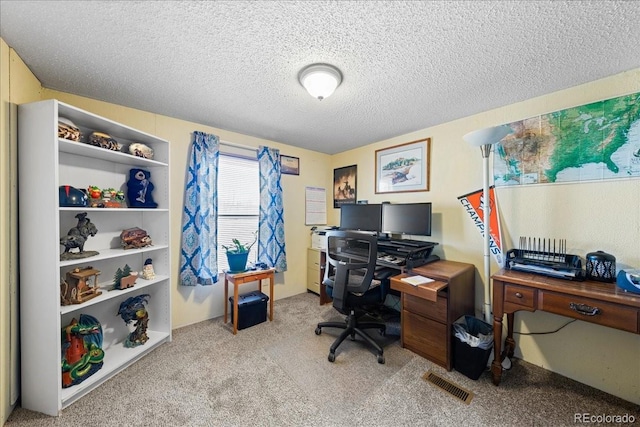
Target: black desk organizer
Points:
(552, 264)
(414, 252)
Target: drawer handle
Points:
(584, 309)
(518, 295)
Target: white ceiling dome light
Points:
(320, 80)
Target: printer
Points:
(319, 237)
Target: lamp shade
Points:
(320, 80)
(487, 136)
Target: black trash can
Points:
(252, 309)
(473, 341)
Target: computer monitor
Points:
(406, 218)
(360, 217)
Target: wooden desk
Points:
(596, 302)
(238, 279)
(429, 310)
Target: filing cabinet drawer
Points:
(313, 280)
(313, 270)
(313, 259)
(425, 337)
(589, 310)
(433, 310)
(525, 297)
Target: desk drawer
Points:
(425, 337)
(433, 310)
(594, 311)
(525, 297)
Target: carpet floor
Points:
(277, 374)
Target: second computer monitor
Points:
(361, 217)
(406, 218)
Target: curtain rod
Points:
(243, 147)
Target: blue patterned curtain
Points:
(199, 253)
(271, 249)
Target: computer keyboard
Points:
(384, 273)
(390, 258)
(381, 256)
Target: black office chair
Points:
(349, 281)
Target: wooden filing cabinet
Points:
(429, 311)
(316, 259)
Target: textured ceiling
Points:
(407, 65)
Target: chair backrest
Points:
(351, 262)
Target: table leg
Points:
(226, 298)
(509, 342)
(271, 279)
(235, 308)
(496, 365)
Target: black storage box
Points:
(472, 361)
(252, 309)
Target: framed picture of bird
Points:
(403, 168)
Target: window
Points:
(238, 204)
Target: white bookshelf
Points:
(45, 163)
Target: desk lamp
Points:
(485, 138)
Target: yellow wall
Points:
(591, 216)
(598, 356)
(17, 85)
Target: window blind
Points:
(238, 204)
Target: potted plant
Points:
(238, 253)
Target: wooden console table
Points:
(429, 310)
(238, 279)
(595, 302)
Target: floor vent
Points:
(449, 387)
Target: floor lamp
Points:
(485, 138)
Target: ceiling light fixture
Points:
(320, 80)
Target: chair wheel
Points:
(331, 357)
(381, 359)
(318, 330)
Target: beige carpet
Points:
(277, 374)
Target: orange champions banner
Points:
(472, 203)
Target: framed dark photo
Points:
(344, 185)
(403, 168)
(289, 165)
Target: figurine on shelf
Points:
(108, 193)
(133, 310)
(82, 353)
(119, 197)
(139, 189)
(141, 150)
(103, 140)
(81, 285)
(109, 198)
(68, 130)
(124, 278)
(134, 238)
(71, 197)
(147, 270)
(94, 192)
(77, 237)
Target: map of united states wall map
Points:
(590, 142)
